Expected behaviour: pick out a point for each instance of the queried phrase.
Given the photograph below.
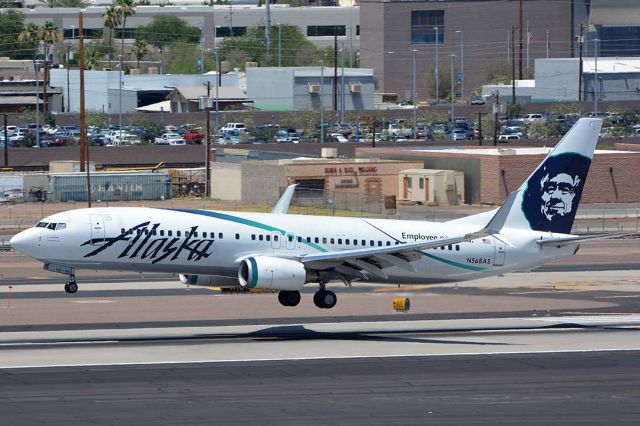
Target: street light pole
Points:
(596, 91)
(415, 134)
(321, 101)
(342, 94)
(461, 64)
(279, 45)
(120, 98)
(36, 66)
(437, 66)
(453, 98)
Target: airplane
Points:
(284, 252)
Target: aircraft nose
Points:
(21, 241)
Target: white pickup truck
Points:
(170, 139)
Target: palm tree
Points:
(48, 3)
(29, 35)
(80, 4)
(125, 8)
(91, 59)
(49, 35)
(111, 19)
(140, 48)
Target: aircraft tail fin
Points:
(549, 198)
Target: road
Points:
(484, 375)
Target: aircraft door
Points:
(276, 240)
(290, 241)
(501, 252)
(97, 229)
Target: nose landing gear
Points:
(71, 287)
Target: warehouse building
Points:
(491, 174)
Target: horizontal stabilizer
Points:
(567, 241)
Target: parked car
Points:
(239, 127)
(532, 118)
(170, 139)
(476, 100)
(507, 138)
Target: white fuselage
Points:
(214, 243)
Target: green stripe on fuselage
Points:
(248, 222)
(456, 264)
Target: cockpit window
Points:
(52, 226)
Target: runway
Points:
(493, 372)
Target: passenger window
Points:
(388, 243)
(237, 236)
(122, 230)
(290, 238)
(340, 241)
(364, 242)
(316, 240)
(195, 234)
(324, 240)
(220, 235)
(178, 233)
(457, 247)
(139, 232)
(441, 247)
(268, 237)
(372, 243)
(346, 241)
(276, 238)
(332, 241)
(170, 233)
(253, 237)
(153, 232)
(308, 239)
(355, 242)
(260, 237)
(450, 247)
(162, 232)
(299, 239)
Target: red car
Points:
(192, 136)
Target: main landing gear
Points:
(324, 299)
(71, 287)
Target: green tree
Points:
(181, 58)
(444, 83)
(168, 29)
(252, 44)
(93, 52)
(11, 23)
(139, 49)
(48, 3)
(125, 9)
(111, 19)
(78, 4)
(96, 118)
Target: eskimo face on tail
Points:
(553, 192)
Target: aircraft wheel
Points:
(71, 287)
(289, 298)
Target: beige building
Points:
(432, 187)
(316, 177)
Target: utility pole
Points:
(596, 88)
(547, 44)
(219, 83)
(453, 98)
(513, 67)
(350, 46)
(68, 84)
(84, 146)
(342, 94)
(437, 66)
(36, 67)
(414, 97)
(335, 69)
(580, 68)
(279, 44)
(120, 97)
(207, 166)
(521, 40)
(480, 135)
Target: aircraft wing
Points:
(371, 261)
(566, 241)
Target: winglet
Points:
(282, 207)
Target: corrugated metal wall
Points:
(110, 186)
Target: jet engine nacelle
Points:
(208, 280)
(271, 273)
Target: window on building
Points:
(409, 182)
(230, 32)
(326, 30)
(423, 23)
(421, 183)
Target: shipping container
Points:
(127, 186)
